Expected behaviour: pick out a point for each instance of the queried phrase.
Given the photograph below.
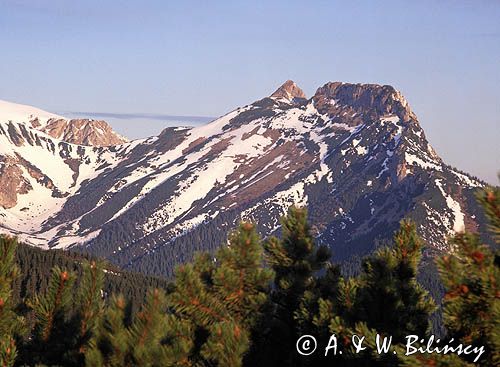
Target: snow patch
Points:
(458, 223)
(414, 160)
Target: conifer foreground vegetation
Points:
(249, 303)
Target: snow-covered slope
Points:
(37, 175)
(78, 131)
(15, 112)
(355, 154)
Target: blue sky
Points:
(206, 58)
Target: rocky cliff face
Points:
(289, 91)
(355, 104)
(355, 154)
(83, 132)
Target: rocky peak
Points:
(289, 90)
(365, 100)
(83, 132)
(76, 131)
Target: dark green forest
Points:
(251, 302)
(35, 266)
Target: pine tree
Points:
(51, 342)
(206, 318)
(471, 276)
(89, 305)
(297, 263)
(65, 316)
(110, 346)
(222, 297)
(152, 339)
(295, 260)
(388, 301)
(384, 299)
(388, 298)
(11, 325)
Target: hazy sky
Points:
(206, 58)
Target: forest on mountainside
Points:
(35, 266)
(251, 302)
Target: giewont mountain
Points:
(355, 154)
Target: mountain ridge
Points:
(355, 154)
(77, 131)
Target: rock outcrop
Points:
(83, 132)
(359, 103)
(289, 91)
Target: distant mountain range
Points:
(355, 154)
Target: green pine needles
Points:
(248, 303)
(11, 325)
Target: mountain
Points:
(40, 167)
(355, 154)
(77, 131)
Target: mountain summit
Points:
(354, 154)
(371, 100)
(77, 131)
(289, 90)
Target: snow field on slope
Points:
(16, 112)
(458, 223)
